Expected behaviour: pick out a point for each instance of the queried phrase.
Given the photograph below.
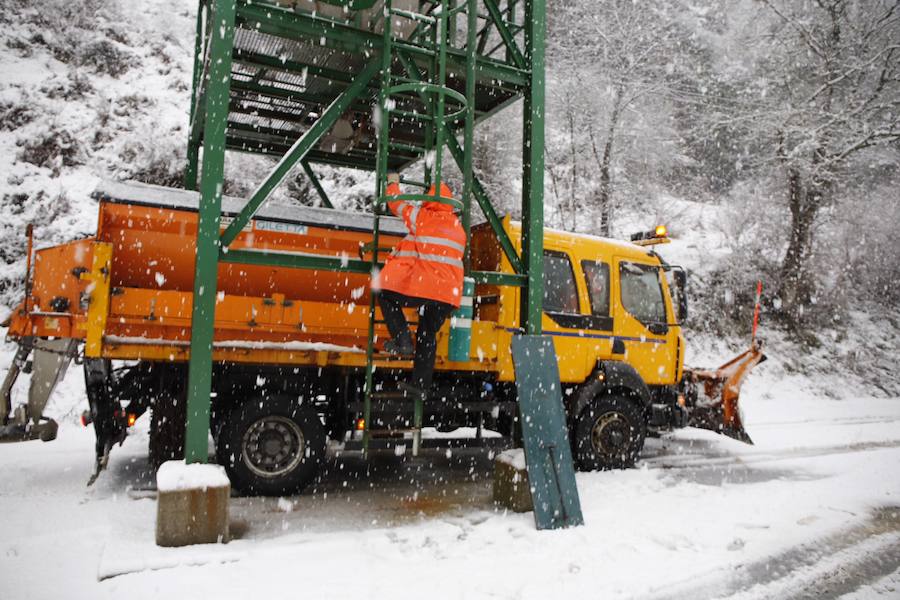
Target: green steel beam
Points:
(195, 130)
(440, 110)
(204, 303)
(349, 161)
(511, 18)
(469, 126)
(505, 34)
(533, 169)
(480, 195)
(284, 23)
(381, 121)
(498, 278)
(294, 260)
(299, 150)
(323, 195)
(334, 263)
(193, 151)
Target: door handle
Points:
(658, 328)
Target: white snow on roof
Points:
(155, 195)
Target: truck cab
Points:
(616, 326)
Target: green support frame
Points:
(247, 97)
(204, 307)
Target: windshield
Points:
(641, 292)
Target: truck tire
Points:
(609, 434)
(271, 447)
(167, 418)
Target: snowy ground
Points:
(812, 510)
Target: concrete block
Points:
(511, 489)
(192, 507)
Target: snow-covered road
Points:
(812, 510)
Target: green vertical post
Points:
(381, 167)
(193, 151)
(441, 44)
(510, 17)
(468, 131)
(451, 6)
(206, 270)
(533, 169)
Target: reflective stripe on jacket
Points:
(427, 263)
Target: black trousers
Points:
(432, 315)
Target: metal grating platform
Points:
(284, 75)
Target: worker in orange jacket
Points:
(425, 271)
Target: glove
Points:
(393, 177)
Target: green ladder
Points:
(432, 29)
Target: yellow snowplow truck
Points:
(288, 362)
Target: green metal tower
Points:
(407, 77)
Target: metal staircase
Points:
(433, 34)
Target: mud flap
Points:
(12, 374)
(712, 395)
(50, 363)
(106, 414)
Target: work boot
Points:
(402, 346)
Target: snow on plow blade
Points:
(713, 394)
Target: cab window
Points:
(560, 291)
(596, 275)
(641, 292)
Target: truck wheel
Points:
(167, 417)
(271, 447)
(609, 434)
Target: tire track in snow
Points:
(825, 569)
(697, 460)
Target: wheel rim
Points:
(611, 434)
(273, 446)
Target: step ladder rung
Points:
(392, 395)
(387, 357)
(394, 432)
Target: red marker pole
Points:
(756, 311)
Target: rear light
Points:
(86, 418)
(360, 424)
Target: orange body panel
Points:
(264, 315)
(154, 248)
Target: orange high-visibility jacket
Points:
(427, 263)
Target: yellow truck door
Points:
(568, 318)
(642, 321)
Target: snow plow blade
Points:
(712, 395)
